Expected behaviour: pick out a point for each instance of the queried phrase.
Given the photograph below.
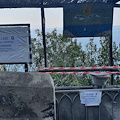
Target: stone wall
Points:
(26, 96)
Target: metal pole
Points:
(26, 67)
(43, 34)
(110, 48)
(77, 70)
(111, 57)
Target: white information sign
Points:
(8, 43)
(15, 46)
(90, 98)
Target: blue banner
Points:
(88, 20)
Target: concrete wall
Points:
(26, 96)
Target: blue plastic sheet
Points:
(45, 3)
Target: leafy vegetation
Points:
(67, 52)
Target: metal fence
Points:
(69, 107)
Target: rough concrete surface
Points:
(26, 96)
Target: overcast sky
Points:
(54, 17)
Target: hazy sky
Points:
(54, 17)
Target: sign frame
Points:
(29, 42)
